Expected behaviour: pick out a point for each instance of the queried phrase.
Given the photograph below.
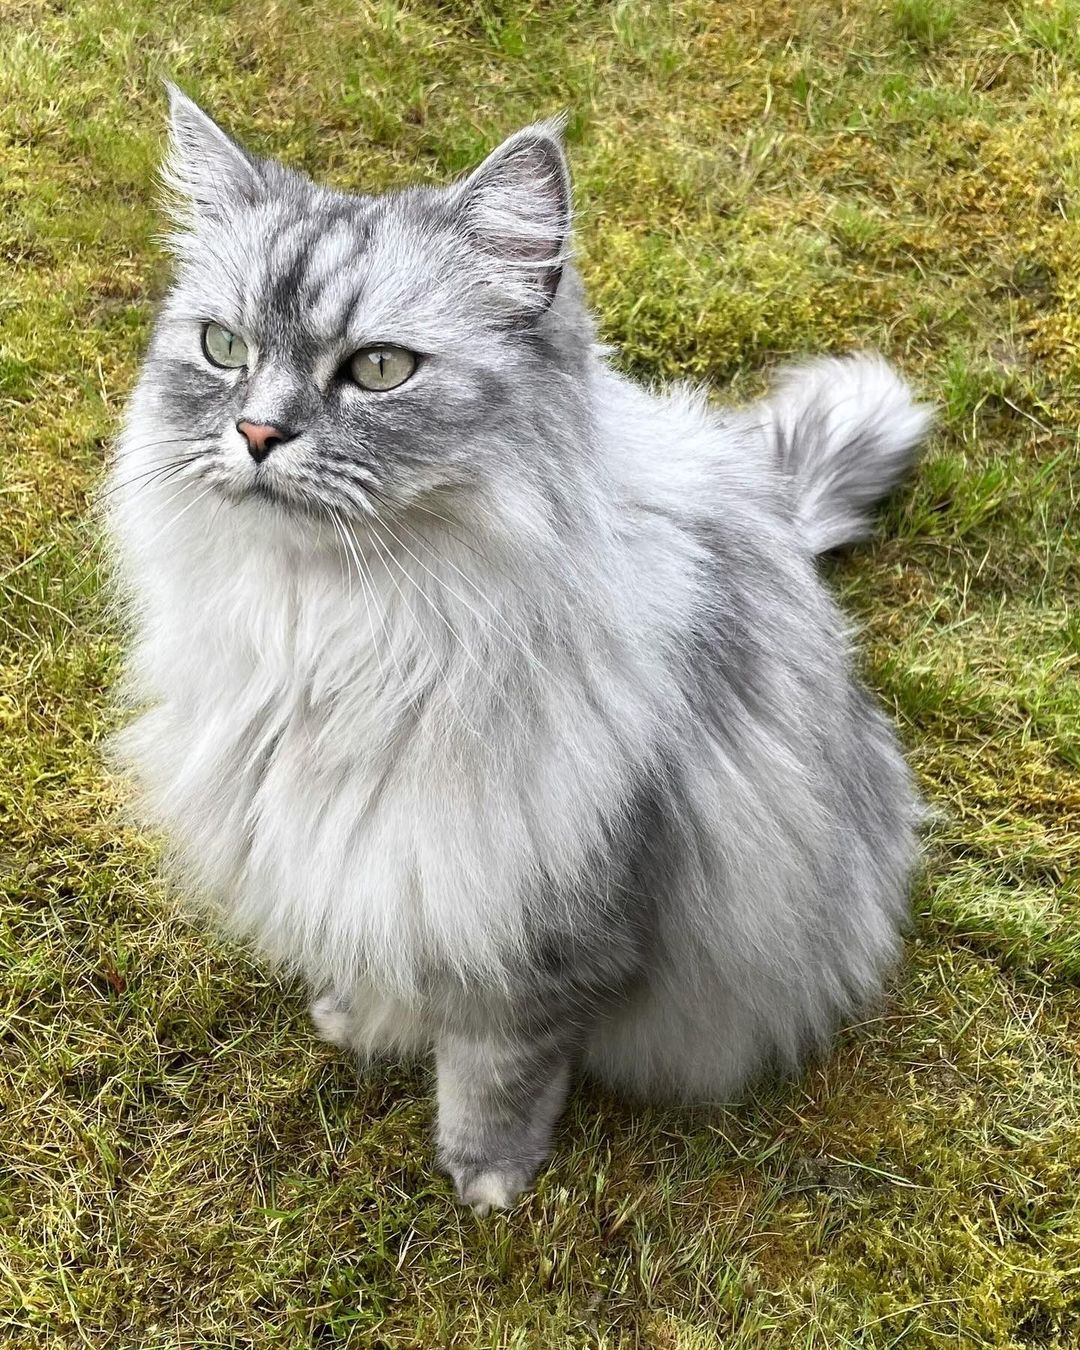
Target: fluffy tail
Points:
(846, 430)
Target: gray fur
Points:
(506, 706)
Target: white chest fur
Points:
(363, 778)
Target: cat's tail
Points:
(845, 430)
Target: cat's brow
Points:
(323, 280)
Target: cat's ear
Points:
(205, 170)
(516, 208)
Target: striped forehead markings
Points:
(303, 285)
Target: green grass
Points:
(181, 1164)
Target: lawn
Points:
(181, 1164)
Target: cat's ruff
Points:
(505, 705)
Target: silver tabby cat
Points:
(494, 694)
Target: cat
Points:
(492, 693)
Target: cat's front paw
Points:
(484, 1188)
(331, 1016)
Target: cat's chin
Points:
(302, 525)
(263, 495)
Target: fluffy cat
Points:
(494, 694)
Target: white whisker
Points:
(499, 626)
(370, 600)
(384, 555)
(499, 694)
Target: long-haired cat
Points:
(493, 693)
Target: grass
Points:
(182, 1165)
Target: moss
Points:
(183, 1166)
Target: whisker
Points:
(346, 572)
(147, 476)
(194, 502)
(454, 633)
(448, 524)
(434, 553)
(503, 629)
(123, 449)
(350, 546)
(99, 537)
(384, 554)
(368, 603)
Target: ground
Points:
(182, 1164)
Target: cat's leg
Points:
(499, 1098)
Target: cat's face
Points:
(321, 352)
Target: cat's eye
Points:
(223, 348)
(382, 368)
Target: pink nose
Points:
(261, 439)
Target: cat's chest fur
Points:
(321, 750)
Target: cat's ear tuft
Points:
(516, 208)
(206, 172)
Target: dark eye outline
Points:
(220, 365)
(380, 347)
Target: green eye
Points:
(381, 368)
(223, 348)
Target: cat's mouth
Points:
(287, 498)
(282, 494)
(260, 489)
(265, 490)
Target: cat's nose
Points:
(262, 438)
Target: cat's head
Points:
(321, 351)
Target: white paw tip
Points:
(492, 1190)
(331, 1021)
